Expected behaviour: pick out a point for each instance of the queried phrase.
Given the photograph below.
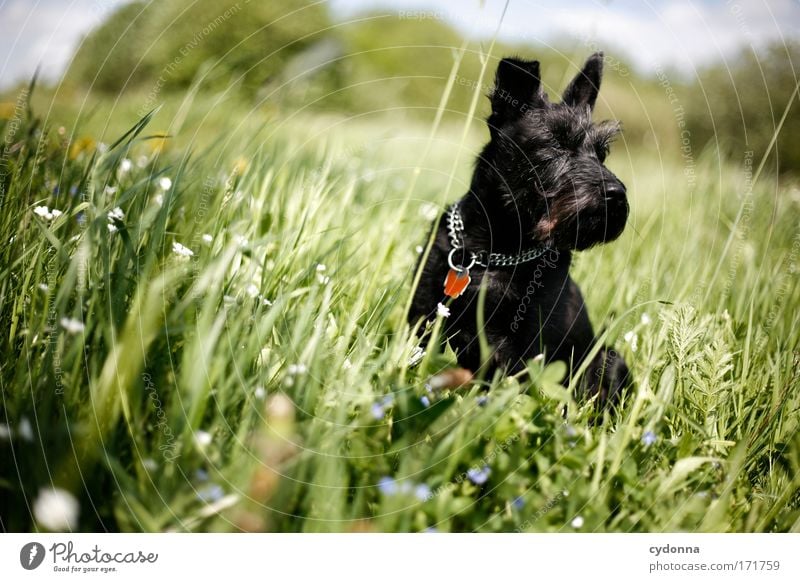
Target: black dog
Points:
(539, 191)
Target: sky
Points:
(679, 34)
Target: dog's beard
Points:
(578, 224)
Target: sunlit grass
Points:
(214, 339)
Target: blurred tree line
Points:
(294, 56)
(738, 106)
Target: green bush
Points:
(169, 43)
(737, 106)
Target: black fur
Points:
(540, 180)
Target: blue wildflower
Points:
(387, 486)
(422, 492)
(430, 530)
(210, 492)
(483, 400)
(426, 402)
(201, 475)
(377, 411)
(379, 408)
(648, 438)
(479, 476)
(518, 503)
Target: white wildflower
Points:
(112, 227)
(252, 290)
(164, 183)
(202, 438)
(125, 166)
(632, 339)
(321, 267)
(116, 214)
(142, 161)
(347, 364)
(259, 392)
(56, 509)
(25, 430)
(416, 356)
(72, 325)
(46, 213)
(181, 250)
(646, 319)
(323, 279)
(240, 240)
(44, 287)
(208, 239)
(111, 190)
(419, 249)
(297, 369)
(159, 199)
(442, 310)
(428, 211)
(577, 523)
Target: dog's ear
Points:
(584, 87)
(517, 89)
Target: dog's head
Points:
(548, 158)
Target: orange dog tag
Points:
(456, 282)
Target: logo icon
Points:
(31, 555)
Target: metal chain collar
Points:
(455, 230)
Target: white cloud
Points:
(684, 34)
(44, 34)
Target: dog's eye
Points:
(601, 149)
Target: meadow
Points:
(204, 330)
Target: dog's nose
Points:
(615, 191)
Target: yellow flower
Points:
(158, 143)
(239, 166)
(6, 110)
(80, 145)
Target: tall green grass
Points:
(260, 380)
